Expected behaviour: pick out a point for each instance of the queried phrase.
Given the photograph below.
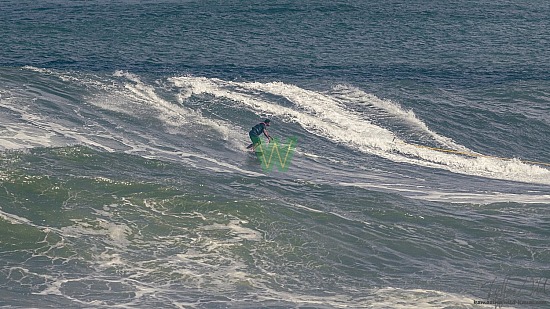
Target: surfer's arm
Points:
(267, 135)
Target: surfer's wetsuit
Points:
(255, 133)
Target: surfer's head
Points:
(267, 121)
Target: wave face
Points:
(419, 177)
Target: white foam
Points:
(329, 128)
(139, 99)
(133, 97)
(355, 95)
(27, 134)
(170, 113)
(381, 298)
(327, 117)
(36, 130)
(238, 232)
(35, 69)
(117, 233)
(14, 219)
(419, 298)
(308, 208)
(454, 197)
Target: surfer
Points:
(255, 133)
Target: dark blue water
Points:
(420, 179)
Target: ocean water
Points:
(420, 178)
